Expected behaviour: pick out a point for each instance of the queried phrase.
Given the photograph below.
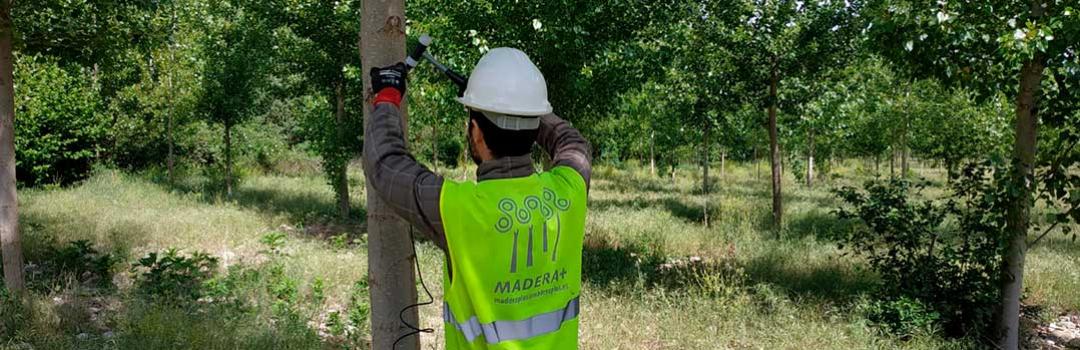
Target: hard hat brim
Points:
(528, 112)
(512, 122)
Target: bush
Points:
(449, 150)
(14, 315)
(644, 264)
(323, 134)
(173, 278)
(274, 242)
(256, 148)
(904, 317)
(79, 260)
(60, 125)
(941, 255)
(713, 278)
(353, 329)
(258, 145)
(283, 290)
(620, 267)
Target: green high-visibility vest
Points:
(515, 256)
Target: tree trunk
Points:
(1018, 212)
(341, 183)
(774, 150)
(904, 150)
(723, 166)
(10, 243)
(948, 171)
(674, 162)
(892, 163)
(228, 160)
(170, 161)
(810, 159)
(652, 153)
(705, 175)
(904, 167)
(390, 253)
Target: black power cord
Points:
(431, 300)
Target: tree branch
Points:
(1047, 231)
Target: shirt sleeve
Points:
(411, 190)
(565, 145)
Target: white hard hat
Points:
(508, 89)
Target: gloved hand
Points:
(389, 83)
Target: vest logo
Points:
(515, 217)
(526, 284)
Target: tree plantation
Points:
(760, 174)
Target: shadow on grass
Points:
(300, 208)
(690, 212)
(604, 264)
(815, 223)
(622, 182)
(631, 185)
(635, 203)
(818, 224)
(57, 259)
(1057, 242)
(764, 193)
(43, 231)
(831, 281)
(626, 269)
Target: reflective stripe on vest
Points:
(499, 331)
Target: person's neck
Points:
(505, 167)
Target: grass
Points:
(766, 290)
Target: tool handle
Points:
(461, 81)
(413, 59)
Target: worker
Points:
(512, 238)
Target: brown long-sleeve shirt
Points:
(412, 191)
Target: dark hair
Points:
(502, 142)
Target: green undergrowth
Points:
(272, 267)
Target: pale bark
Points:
(723, 166)
(390, 255)
(169, 159)
(10, 243)
(810, 160)
(904, 149)
(906, 128)
(341, 183)
(1018, 213)
(774, 151)
(652, 153)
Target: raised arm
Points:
(565, 145)
(411, 190)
